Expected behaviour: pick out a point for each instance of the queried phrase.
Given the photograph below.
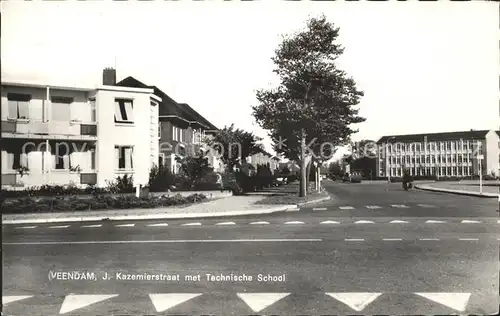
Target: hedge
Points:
(100, 202)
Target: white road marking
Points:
(457, 301)
(319, 209)
(399, 206)
(162, 302)
(259, 223)
(259, 301)
(364, 222)
(356, 301)
(158, 225)
(329, 222)
(171, 241)
(428, 239)
(346, 207)
(91, 226)
(354, 239)
(392, 239)
(468, 239)
(64, 226)
(73, 302)
(225, 223)
(373, 207)
(431, 221)
(14, 298)
(125, 225)
(466, 221)
(397, 221)
(498, 222)
(191, 224)
(26, 227)
(426, 205)
(293, 210)
(294, 223)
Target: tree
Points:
(235, 145)
(313, 104)
(194, 167)
(362, 157)
(334, 170)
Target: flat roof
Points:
(31, 84)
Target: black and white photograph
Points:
(250, 158)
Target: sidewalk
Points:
(460, 188)
(229, 206)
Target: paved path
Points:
(464, 187)
(441, 258)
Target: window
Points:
(124, 111)
(92, 159)
(161, 159)
(159, 129)
(61, 108)
(177, 133)
(124, 157)
(93, 114)
(60, 156)
(18, 105)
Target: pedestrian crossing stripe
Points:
(163, 302)
(14, 298)
(259, 301)
(373, 206)
(73, 302)
(457, 301)
(346, 207)
(356, 301)
(399, 206)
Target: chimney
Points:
(109, 77)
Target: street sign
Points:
(480, 157)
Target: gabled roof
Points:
(169, 107)
(197, 116)
(476, 134)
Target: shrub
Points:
(292, 178)
(160, 179)
(124, 184)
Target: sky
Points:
(424, 67)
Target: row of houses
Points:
(64, 135)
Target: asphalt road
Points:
(418, 253)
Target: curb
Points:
(280, 208)
(326, 198)
(459, 192)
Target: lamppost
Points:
(388, 158)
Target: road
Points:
(372, 249)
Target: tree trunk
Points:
(303, 174)
(308, 172)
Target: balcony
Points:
(14, 179)
(25, 128)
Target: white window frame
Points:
(121, 103)
(120, 148)
(16, 116)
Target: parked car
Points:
(356, 178)
(279, 181)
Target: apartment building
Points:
(65, 135)
(181, 130)
(451, 154)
